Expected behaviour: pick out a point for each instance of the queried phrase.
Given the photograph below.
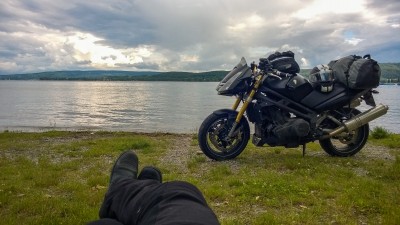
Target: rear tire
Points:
(350, 143)
(214, 130)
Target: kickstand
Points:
(304, 150)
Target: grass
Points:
(389, 140)
(380, 133)
(61, 177)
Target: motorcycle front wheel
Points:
(214, 131)
(347, 143)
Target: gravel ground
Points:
(183, 150)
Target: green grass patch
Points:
(390, 141)
(61, 178)
(379, 133)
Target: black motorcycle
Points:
(289, 110)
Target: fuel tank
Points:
(295, 87)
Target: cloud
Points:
(315, 9)
(190, 36)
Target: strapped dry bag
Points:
(356, 72)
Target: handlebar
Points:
(281, 74)
(265, 67)
(278, 74)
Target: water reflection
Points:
(178, 107)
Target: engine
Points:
(280, 129)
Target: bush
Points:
(379, 133)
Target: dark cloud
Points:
(385, 6)
(146, 66)
(119, 23)
(84, 62)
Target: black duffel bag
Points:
(282, 61)
(356, 72)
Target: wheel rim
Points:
(217, 134)
(350, 141)
(346, 141)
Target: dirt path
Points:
(180, 152)
(369, 152)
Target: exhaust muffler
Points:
(361, 119)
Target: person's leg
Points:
(125, 191)
(150, 172)
(147, 201)
(124, 200)
(125, 168)
(177, 203)
(105, 222)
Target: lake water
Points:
(177, 107)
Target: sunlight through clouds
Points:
(189, 58)
(253, 21)
(89, 48)
(354, 41)
(326, 7)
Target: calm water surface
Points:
(177, 107)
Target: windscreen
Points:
(235, 70)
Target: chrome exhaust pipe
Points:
(361, 119)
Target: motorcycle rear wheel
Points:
(213, 134)
(350, 143)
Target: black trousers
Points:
(148, 202)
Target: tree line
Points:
(390, 73)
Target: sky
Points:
(185, 35)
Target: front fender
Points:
(231, 113)
(225, 111)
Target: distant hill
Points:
(76, 75)
(184, 76)
(119, 76)
(390, 72)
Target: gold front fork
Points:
(245, 104)
(237, 102)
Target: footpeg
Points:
(257, 141)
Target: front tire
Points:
(214, 130)
(347, 143)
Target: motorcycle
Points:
(286, 110)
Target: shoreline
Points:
(29, 129)
(94, 130)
